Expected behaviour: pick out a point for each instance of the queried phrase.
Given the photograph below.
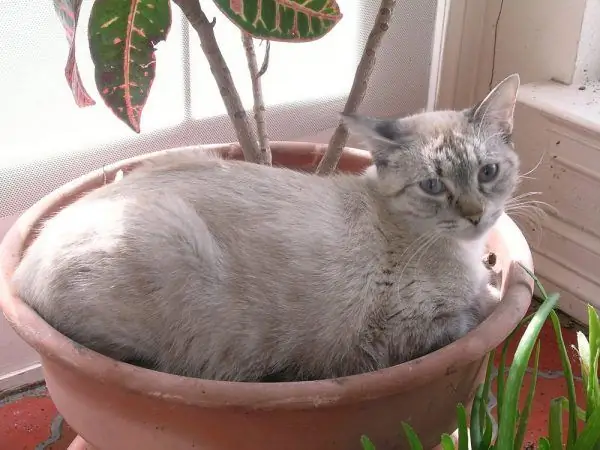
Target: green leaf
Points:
(590, 435)
(283, 20)
(485, 395)
(68, 13)
(543, 444)
(366, 443)
(516, 374)
(476, 425)
(566, 364)
(413, 439)
(501, 380)
(555, 424)
(583, 350)
(537, 282)
(593, 386)
(122, 37)
(486, 440)
(579, 411)
(463, 429)
(446, 442)
(524, 417)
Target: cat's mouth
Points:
(470, 231)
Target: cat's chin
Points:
(473, 233)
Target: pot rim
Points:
(55, 348)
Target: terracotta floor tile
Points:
(29, 421)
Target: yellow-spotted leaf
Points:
(122, 36)
(283, 20)
(68, 13)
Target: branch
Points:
(338, 141)
(259, 105)
(222, 75)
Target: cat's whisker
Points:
(430, 237)
(534, 167)
(526, 177)
(536, 229)
(525, 194)
(419, 240)
(539, 204)
(429, 245)
(530, 213)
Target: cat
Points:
(228, 270)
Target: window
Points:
(45, 140)
(43, 130)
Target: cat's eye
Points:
(488, 173)
(433, 186)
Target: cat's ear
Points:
(497, 109)
(373, 129)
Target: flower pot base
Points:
(80, 444)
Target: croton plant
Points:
(123, 35)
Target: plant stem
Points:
(359, 86)
(222, 75)
(259, 105)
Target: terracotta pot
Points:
(116, 406)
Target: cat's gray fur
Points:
(234, 271)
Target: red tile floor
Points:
(29, 420)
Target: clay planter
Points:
(116, 406)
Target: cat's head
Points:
(446, 171)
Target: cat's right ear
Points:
(383, 131)
(382, 137)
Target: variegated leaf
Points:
(283, 20)
(68, 13)
(122, 36)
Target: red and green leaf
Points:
(68, 13)
(123, 35)
(283, 20)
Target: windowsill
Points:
(578, 104)
(557, 134)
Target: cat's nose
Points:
(475, 219)
(471, 210)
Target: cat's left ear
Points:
(497, 109)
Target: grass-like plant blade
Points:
(506, 432)
(463, 430)
(500, 379)
(537, 282)
(446, 442)
(476, 424)
(594, 341)
(583, 350)
(555, 424)
(366, 443)
(543, 444)
(524, 417)
(411, 435)
(590, 435)
(568, 374)
(485, 395)
(579, 411)
(488, 431)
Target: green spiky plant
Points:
(477, 433)
(122, 36)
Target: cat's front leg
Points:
(488, 300)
